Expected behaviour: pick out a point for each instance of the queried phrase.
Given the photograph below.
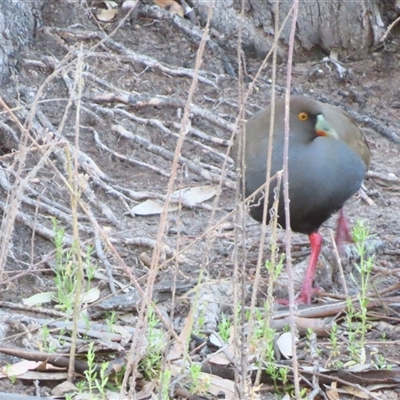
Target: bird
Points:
(328, 157)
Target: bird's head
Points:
(307, 118)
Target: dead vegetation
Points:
(126, 259)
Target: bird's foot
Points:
(343, 234)
(304, 297)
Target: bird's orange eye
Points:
(303, 116)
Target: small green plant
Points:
(311, 340)
(259, 327)
(364, 268)
(352, 330)
(117, 378)
(259, 324)
(165, 383)
(86, 320)
(224, 328)
(95, 382)
(150, 365)
(275, 268)
(336, 363)
(263, 335)
(333, 338)
(111, 317)
(381, 362)
(11, 377)
(278, 374)
(335, 349)
(66, 270)
(81, 386)
(303, 394)
(101, 383)
(48, 343)
(61, 338)
(199, 383)
(200, 321)
(90, 373)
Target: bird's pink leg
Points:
(307, 289)
(342, 232)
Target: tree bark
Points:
(344, 28)
(17, 23)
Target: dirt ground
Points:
(134, 167)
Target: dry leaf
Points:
(128, 318)
(178, 348)
(18, 368)
(192, 196)
(354, 392)
(64, 388)
(151, 207)
(171, 6)
(106, 15)
(146, 392)
(100, 276)
(125, 334)
(218, 385)
(219, 358)
(215, 340)
(38, 299)
(43, 376)
(91, 296)
(332, 393)
(109, 4)
(360, 368)
(284, 344)
(129, 4)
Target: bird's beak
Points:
(323, 128)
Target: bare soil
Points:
(370, 89)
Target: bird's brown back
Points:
(348, 131)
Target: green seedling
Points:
(150, 365)
(335, 362)
(12, 378)
(357, 321)
(364, 268)
(48, 343)
(224, 328)
(65, 269)
(199, 383)
(199, 323)
(165, 383)
(111, 317)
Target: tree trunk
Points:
(344, 28)
(17, 23)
